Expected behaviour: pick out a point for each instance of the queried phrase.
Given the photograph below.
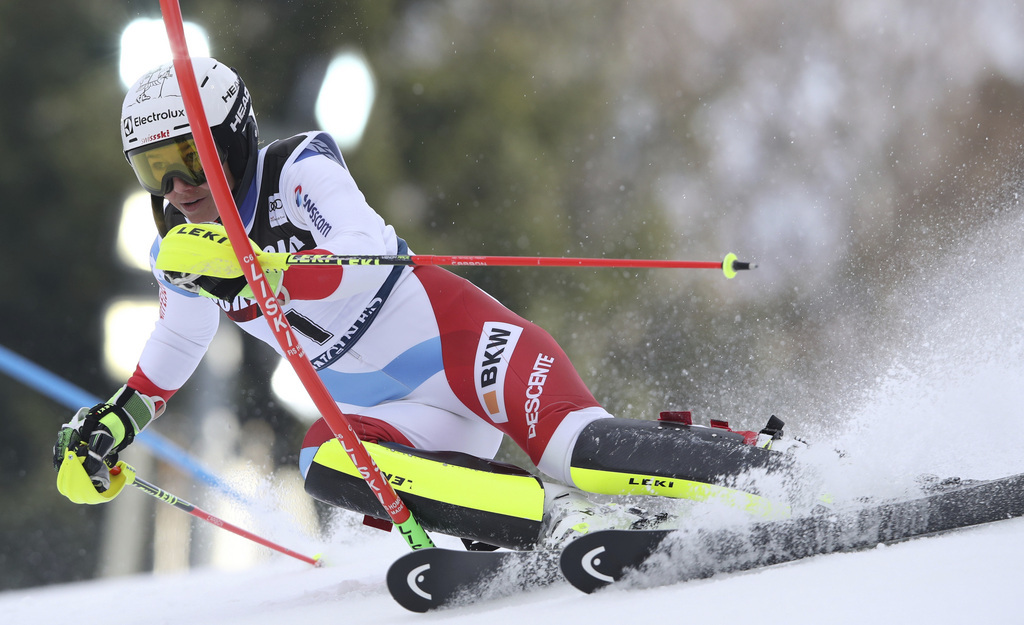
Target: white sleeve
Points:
(186, 326)
(324, 199)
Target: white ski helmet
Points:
(155, 132)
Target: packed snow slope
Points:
(969, 576)
(950, 402)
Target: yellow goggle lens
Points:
(157, 165)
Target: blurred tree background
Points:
(842, 146)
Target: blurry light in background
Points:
(346, 98)
(127, 323)
(136, 231)
(144, 45)
(288, 390)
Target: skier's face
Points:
(196, 202)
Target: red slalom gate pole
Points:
(267, 300)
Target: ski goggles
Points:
(156, 165)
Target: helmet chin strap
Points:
(165, 219)
(157, 204)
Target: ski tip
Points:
(318, 560)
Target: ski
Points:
(646, 558)
(428, 579)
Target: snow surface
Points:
(969, 576)
(949, 404)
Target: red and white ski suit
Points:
(440, 364)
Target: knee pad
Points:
(626, 457)
(448, 492)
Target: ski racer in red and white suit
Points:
(431, 370)
(442, 365)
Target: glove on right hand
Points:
(90, 440)
(96, 435)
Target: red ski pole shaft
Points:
(548, 261)
(181, 504)
(276, 260)
(267, 300)
(496, 261)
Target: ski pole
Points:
(62, 391)
(730, 265)
(206, 249)
(339, 424)
(181, 504)
(281, 261)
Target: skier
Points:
(430, 370)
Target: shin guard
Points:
(626, 457)
(448, 492)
